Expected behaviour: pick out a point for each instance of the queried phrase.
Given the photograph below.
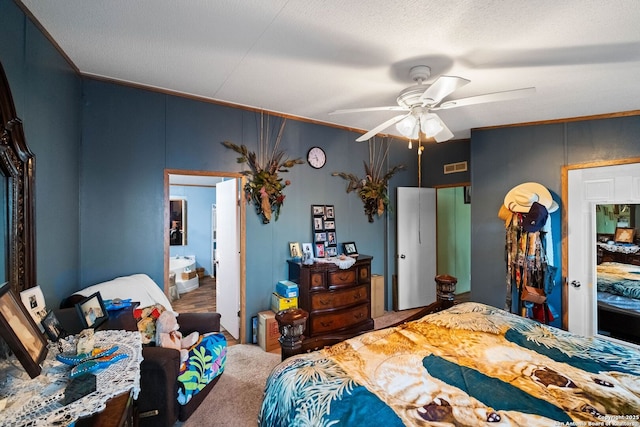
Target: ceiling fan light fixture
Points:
(407, 127)
(430, 125)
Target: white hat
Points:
(521, 197)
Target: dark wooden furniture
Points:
(609, 256)
(618, 323)
(157, 404)
(291, 324)
(338, 301)
(119, 412)
(446, 289)
(17, 167)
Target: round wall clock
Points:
(316, 157)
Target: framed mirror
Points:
(17, 177)
(177, 221)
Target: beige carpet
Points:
(235, 401)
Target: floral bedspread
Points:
(619, 279)
(469, 365)
(206, 361)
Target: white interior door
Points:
(586, 188)
(416, 257)
(228, 256)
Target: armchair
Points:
(157, 403)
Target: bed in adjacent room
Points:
(618, 294)
(468, 365)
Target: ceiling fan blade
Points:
(382, 126)
(442, 87)
(489, 97)
(359, 110)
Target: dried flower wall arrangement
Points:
(264, 187)
(373, 188)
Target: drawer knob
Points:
(358, 315)
(357, 296)
(343, 277)
(327, 324)
(325, 301)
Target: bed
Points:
(618, 293)
(471, 364)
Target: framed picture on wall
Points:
(318, 210)
(329, 212)
(320, 253)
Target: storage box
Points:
(188, 275)
(200, 272)
(377, 295)
(287, 289)
(268, 332)
(279, 303)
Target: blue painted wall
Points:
(504, 158)
(47, 95)
(130, 136)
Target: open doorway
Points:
(453, 215)
(197, 191)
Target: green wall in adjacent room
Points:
(454, 236)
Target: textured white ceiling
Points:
(309, 57)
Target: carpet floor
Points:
(235, 400)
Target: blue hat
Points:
(535, 219)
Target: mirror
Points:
(17, 170)
(177, 222)
(618, 271)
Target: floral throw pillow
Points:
(146, 318)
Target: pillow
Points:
(146, 318)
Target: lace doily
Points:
(341, 263)
(625, 249)
(37, 401)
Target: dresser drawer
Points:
(339, 299)
(333, 322)
(364, 274)
(342, 278)
(316, 280)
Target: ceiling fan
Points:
(418, 101)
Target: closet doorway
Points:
(453, 213)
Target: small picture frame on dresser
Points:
(294, 250)
(52, 327)
(92, 311)
(349, 249)
(624, 235)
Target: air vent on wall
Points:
(455, 167)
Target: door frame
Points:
(242, 234)
(565, 225)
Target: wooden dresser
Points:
(338, 301)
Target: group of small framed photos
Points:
(325, 241)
